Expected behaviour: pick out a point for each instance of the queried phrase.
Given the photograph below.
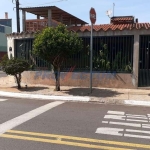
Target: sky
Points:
(80, 8)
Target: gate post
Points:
(135, 60)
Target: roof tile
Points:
(106, 27)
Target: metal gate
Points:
(144, 61)
(23, 50)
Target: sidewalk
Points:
(99, 95)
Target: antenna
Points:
(113, 9)
(108, 13)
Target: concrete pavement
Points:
(72, 126)
(99, 95)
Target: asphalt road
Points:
(2, 74)
(54, 125)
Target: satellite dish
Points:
(108, 13)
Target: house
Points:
(121, 56)
(5, 28)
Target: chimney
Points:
(136, 20)
(6, 15)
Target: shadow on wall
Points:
(96, 92)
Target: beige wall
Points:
(119, 80)
(111, 80)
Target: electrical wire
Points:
(44, 3)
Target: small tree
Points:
(14, 67)
(55, 44)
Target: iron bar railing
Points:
(110, 54)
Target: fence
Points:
(144, 61)
(110, 54)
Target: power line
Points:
(44, 3)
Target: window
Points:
(5, 22)
(2, 29)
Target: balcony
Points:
(38, 24)
(48, 16)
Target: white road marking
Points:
(145, 125)
(134, 102)
(116, 112)
(115, 131)
(123, 124)
(110, 131)
(137, 125)
(129, 120)
(46, 97)
(138, 131)
(116, 117)
(136, 115)
(137, 136)
(27, 116)
(137, 120)
(2, 100)
(105, 122)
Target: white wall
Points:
(10, 42)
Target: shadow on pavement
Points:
(30, 89)
(95, 92)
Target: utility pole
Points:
(17, 15)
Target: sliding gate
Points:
(144, 61)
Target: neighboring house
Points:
(121, 50)
(5, 28)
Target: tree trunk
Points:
(57, 77)
(18, 80)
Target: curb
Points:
(45, 97)
(77, 99)
(129, 102)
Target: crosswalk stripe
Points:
(116, 112)
(144, 116)
(134, 120)
(123, 123)
(137, 136)
(138, 131)
(137, 117)
(137, 125)
(129, 120)
(10, 124)
(77, 139)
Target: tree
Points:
(56, 44)
(14, 67)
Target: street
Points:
(2, 74)
(57, 125)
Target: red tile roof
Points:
(122, 20)
(113, 27)
(103, 27)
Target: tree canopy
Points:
(55, 45)
(14, 67)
